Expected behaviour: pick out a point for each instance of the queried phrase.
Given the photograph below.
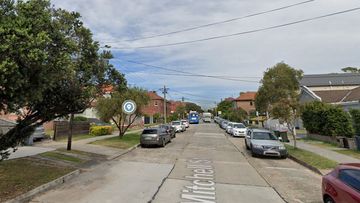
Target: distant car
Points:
(178, 126)
(169, 129)
(264, 143)
(224, 124)
(238, 130)
(229, 127)
(185, 122)
(342, 184)
(154, 136)
(39, 133)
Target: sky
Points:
(322, 46)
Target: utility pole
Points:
(164, 91)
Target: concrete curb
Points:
(310, 167)
(43, 188)
(122, 153)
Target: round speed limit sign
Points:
(129, 107)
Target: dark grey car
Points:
(155, 136)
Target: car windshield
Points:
(239, 126)
(150, 131)
(183, 122)
(175, 123)
(263, 136)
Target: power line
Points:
(219, 22)
(194, 95)
(242, 33)
(185, 73)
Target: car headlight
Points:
(257, 146)
(282, 147)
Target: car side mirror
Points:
(280, 139)
(248, 136)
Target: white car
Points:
(178, 126)
(229, 127)
(238, 130)
(185, 122)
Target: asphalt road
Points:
(200, 165)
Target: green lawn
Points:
(318, 143)
(18, 176)
(125, 142)
(75, 137)
(312, 159)
(57, 155)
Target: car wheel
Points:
(284, 156)
(247, 147)
(328, 199)
(253, 154)
(143, 146)
(163, 143)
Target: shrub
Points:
(80, 118)
(326, 119)
(355, 115)
(101, 130)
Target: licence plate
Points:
(148, 138)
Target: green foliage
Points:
(355, 115)
(157, 117)
(110, 108)
(351, 70)
(326, 119)
(226, 107)
(80, 118)
(101, 130)
(180, 112)
(173, 117)
(50, 66)
(237, 115)
(193, 107)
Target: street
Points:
(200, 165)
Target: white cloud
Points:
(321, 46)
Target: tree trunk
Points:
(294, 136)
(70, 132)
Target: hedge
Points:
(101, 130)
(326, 119)
(80, 118)
(355, 115)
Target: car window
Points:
(239, 126)
(351, 178)
(263, 136)
(149, 131)
(175, 123)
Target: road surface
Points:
(200, 165)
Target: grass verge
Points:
(127, 141)
(21, 175)
(75, 137)
(62, 157)
(311, 158)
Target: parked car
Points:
(238, 130)
(342, 184)
(264, 143)
(155, 136)
(169, 129)
(39, 133)
(229, 127)
(185, 122)
(178, 126)
(224, 124)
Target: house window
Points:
(156, 103)
(251, 103)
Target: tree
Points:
(193, 107)
(278, 94)
(238, 115)
(226, 107)
(351, 70)
(50, 66)
(110, 108)
(180, 111)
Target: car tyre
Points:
(143, 146)
(284, 157)
(328, 199)
(247, 147)
(163, 143)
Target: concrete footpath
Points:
(332, 155)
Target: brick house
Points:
(155, 107)
(246, 101)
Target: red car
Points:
(342, 185)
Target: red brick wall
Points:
(246, 105)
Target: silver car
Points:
(264, 143)
(178, 126)
(238, 130)
(155, 136)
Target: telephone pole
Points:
(164, 91)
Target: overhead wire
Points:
(241, 33)
(219, 22)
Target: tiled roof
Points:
(154, 96)
(332, 79)
(335, 96)
(246, 96)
